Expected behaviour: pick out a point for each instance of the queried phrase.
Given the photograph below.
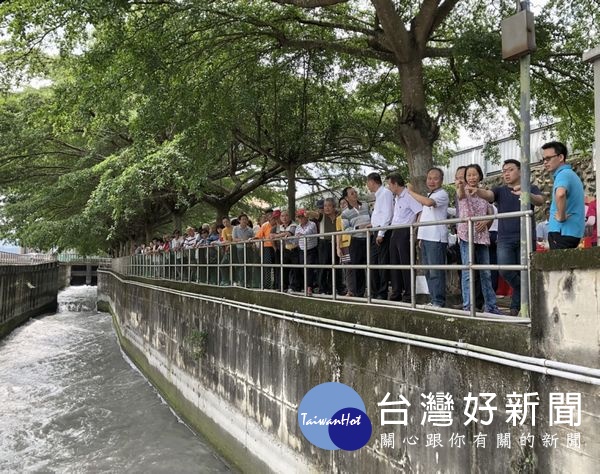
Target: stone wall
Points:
(26, 291)
(238, 377)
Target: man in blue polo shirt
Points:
(567, 211)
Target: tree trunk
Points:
(148, 232)
(291, 190)
(222, 209)
(416, 129)
(177, 221)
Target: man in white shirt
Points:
(434, 238)
(406, 211)
(380, 240)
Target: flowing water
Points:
(70, 401)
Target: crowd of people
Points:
(279, 241)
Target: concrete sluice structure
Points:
(25, 291)
(236, 364)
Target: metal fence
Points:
(76, 259)
(7, 258)
(243, 263)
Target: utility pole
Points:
(518, 42)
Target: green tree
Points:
(446, 53)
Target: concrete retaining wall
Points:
(238, 376)
(566, 328)
(26, 291)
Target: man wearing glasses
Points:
(567, 210)
(508, 245)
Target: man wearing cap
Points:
(308, 246)
(326, 226)
(380, 241)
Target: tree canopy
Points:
(155, 109)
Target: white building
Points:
(508, 148)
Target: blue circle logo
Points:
(333, 416)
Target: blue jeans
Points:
(434, 253)
(509, 253)
(482, 257)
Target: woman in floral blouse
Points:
(471, 205)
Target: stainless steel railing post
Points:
(471, 244)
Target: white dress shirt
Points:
(383, 210)
(406, 208)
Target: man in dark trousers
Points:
(507, 199)
(326, 226)
(406, 211)
(380, 240)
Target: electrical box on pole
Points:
(518, 35)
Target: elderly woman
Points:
(356, 216)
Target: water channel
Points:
(70, 401)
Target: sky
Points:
(5, 247)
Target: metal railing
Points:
(7, 258)
(243, 263)
(75, 258)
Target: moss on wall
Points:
(227, 446)
(508, 337)
(569, 259)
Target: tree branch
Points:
(310, 3)
(339, 26)
(438, 52)
(395, 31)
(442, 13)
(338, 48)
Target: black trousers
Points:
(312, 258)
(292, 277)
(325, 278)
(558, 241)
(358, 256)
(268, 258)
(380, 255)
(493, 258)
(400, 255)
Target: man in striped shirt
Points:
(308, 246)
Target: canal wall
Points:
(26, 291)
(236, 364)
(565, 327)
